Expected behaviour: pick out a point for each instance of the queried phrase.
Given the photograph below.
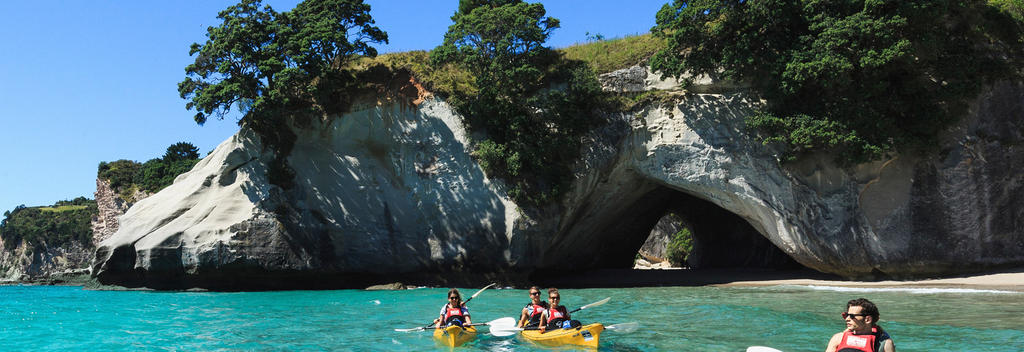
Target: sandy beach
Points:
(1006, 280)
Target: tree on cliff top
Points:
(532, 131)
(261, 61)
(854, 77)
(181, 151)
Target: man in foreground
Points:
(862, 331)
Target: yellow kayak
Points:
(454, 336)
(586, 335)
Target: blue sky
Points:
(88, 81)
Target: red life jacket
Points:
(535, 311)
(854, 343)
(450, 312)
(557, 313)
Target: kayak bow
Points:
(587, 335)
(454, 336)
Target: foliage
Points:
(532, 131)
(679, 247)
(856, 77)
(1015, 8)
(263, 61)
(54, 226)
(273, 65)
(181, 151)
(127, 176)
(609, 55)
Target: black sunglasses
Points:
(554, 297)
(453, 297)
(534, 293)
(853, 316)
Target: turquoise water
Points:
(790, 318)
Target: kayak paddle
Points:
(761, 349)
(499, 321)
(510, 329)
(624, 327)
(463, 303)
(595, 304)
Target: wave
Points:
(916, 290)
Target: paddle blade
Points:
(624, 327)
(506, 331)
(410, 329)
(595, 304)
(503, 327)
(506, 321)
(761, 349)
(482, 289)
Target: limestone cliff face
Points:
(390, 192)
(111, 206)
(48, 265)
(385, 190)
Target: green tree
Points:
(532, 131)
(679, 247)
(262, 61)
(857, 77)
(181, 151)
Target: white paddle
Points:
(499, 321)
(761, 349)
(511, 329)
(624, 327)
(463, 303)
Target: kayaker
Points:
(556, 316)
(453, 312)
(862, 331)
(530, 317)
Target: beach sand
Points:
(1006, 280)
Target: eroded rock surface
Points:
(390, 193)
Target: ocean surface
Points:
(790, 318)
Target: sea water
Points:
(789, 318)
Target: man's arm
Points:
(889, 346)
(834, 342)
(522, 318)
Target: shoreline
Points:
(1003, 280)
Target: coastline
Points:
(1009, 280)
(1003, 280)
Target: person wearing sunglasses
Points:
(530, 317)
(556, 316)
(453, 312)
(862, 331)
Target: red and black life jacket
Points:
(557, 315)
(535, 311)
(862, 343)
(452, 313)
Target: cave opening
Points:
(723, 245)
(697, 234)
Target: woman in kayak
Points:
(453, 312)
(556, 316)
(530, 317)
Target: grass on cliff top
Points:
(63, 208)
(603, 56)
(609, 55)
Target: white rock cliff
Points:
(391, 191)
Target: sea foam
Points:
(915, 290)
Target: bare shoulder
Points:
(834, 342)
(889, 346)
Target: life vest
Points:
(535, 311)
(863, 343)
(452, 313)
(557, 315)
